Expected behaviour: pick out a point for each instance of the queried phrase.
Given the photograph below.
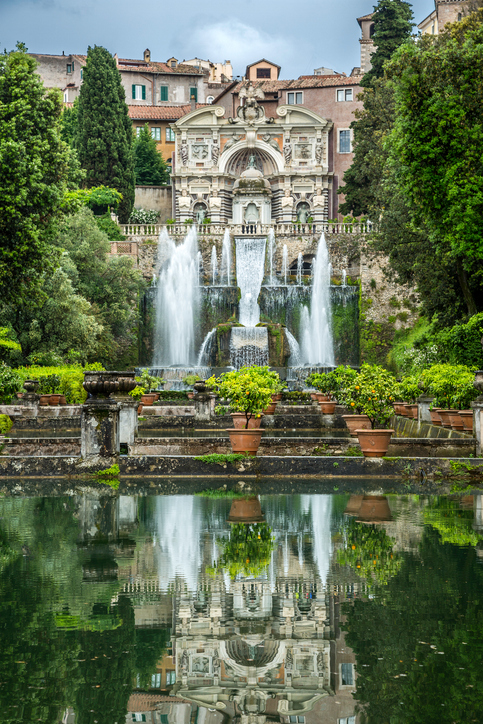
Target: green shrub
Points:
(5, 424)
(109, 227)
(144, 216)
(62, 380)
(461, 344)
(10, 383)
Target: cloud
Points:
(240, 43)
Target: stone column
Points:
(204, 402)
(477, 406)
(100, 428)
(423, 409)
(128, 418)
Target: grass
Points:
(219, 459)
(221, 493)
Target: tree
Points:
(437, 141)
(104, 130)
(392, 27)
(34, 171)
(149, 165)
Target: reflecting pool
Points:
(184, 609)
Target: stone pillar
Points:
(128, 418)
(423, 409)
(100, 428)
(477, 406)
(204, 402)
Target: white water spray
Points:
(300, 261)
(226, 260)
(214, 265)
(271, 257)
(317, 347)
(285, 264)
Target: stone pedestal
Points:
(477, 406)
(100, 428)
(128, 418)
(423, 408)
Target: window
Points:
(194, 93)
(170, 136)
(345, 94)
(296, 719)
(164, 93)
(295, 98)
(82, 74)
(156, 134)
(459, 16)
(173, 64)
(138, 717)
(139, 92)
(69, 67)
(156, 681)
(138, 130)
(66, 97)
(263, 72)
(210, 99)
(345, 141)
(163, 718)
(347, 674)
(347, 720)
(170, 678)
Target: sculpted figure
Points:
(183, 152)
(215, 201)
(287, 152)
(287, 201)
(319, 199)
(200, 215)
(319, 150)
(184, 200)
(231, 141)
(271, 141)
(215, 152)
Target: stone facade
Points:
(445, 11)
(157, 198)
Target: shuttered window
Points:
(164, 93)
(194, 93)
(139, 92)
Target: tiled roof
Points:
(126, 64)
(305, 81)
(160, 113)
(147, 702)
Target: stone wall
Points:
(156, 198)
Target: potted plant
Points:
(248, 550)
(189, 381)
(151, 384)
(408, 390)
(248, 391)
(373, 388)
(137, 393)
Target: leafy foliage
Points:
(372, 393)
(144, 216)
(392, 27)
(369, 551)
(248, 550)
(249, 390)
(149, 165)
(104, 131)
(10, 383)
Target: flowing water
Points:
(119, 608)
(317, 346)
(214, 265)
(226, 259)
(177, 301)
(272, 279)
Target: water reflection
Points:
(304, 608)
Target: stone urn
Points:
(199, 387)
(374, 509)
(100, 385)
(478, 381)
(246, 510)
(31, 386)
(127, 382)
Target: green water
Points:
(110, 605)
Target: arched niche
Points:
(235, 161)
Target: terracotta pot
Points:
(327, 408)
(353, 505)
(277, 397)
(62, 400)
(397, 407)
(322, 397)
(467, 418)
(374, 509)
(467, 502)
(435, 418)
(313, 396)
(240, 420)
(413, 411)
(246, 510)
(456, 421)
(374, 443)
(156, 396)
(19, 395)
(147, 399)
(44, 400)
(245, 441)
(140, 409)
(270, 410)
(356, 422)
(445, 419)
(406, 410)
(54, 400)
(190, 395)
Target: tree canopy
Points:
(34, 173)
(104, 130)
(393, 23)
(149, 165)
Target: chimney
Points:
(147, 55)
(193, 103)
(116, 58)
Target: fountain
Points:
(226, 259)
(300, 261)
(285, 264)
(317, 346)
(271, 255)
(213, 265)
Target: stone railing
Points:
(124, 247)
(287, 229)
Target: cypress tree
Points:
(149, 165)
(393, 23)
(104, 129)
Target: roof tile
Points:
(160, 113)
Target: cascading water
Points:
(205, 350)
(226, 260)
(300, 261)
(177, 301)
(344, 278)
(317, 346)
(200, 269)
(214, 264)
(249, 344)
(295, 359)
(271, 257)
(285, 264)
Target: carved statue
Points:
(200, 214)
(215, 152)
(271, 141)
(250, 111)
(252, 161)
(287, 200)
(287, 152)
(303, 213)
(184, 661)
(183, 152)
(215, 201)
(289, 660)
(319, 198)
(184, 201)
(231, 141)
(319, 151)
(320, 662)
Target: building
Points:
(445, 11)
(367, 45)
(262, 70)
(215, 72)
(61, 71)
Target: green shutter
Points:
(134, 92)
(164, 92)
(143, 92)
(194, 92)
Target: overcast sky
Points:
(299, 36)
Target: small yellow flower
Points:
(352, 404)
(353, 548)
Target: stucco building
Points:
(445, 11)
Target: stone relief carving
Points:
(184, 662)
(287, 152)
(271, 141)
(215, 201)
(302, 151)
(319, 152)
(199, 151)
(184, 201)
(287, 200)
(250, 111)
(320, 662)
(183, 152)
(215, 152)
(319, 198)
(231, 141)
